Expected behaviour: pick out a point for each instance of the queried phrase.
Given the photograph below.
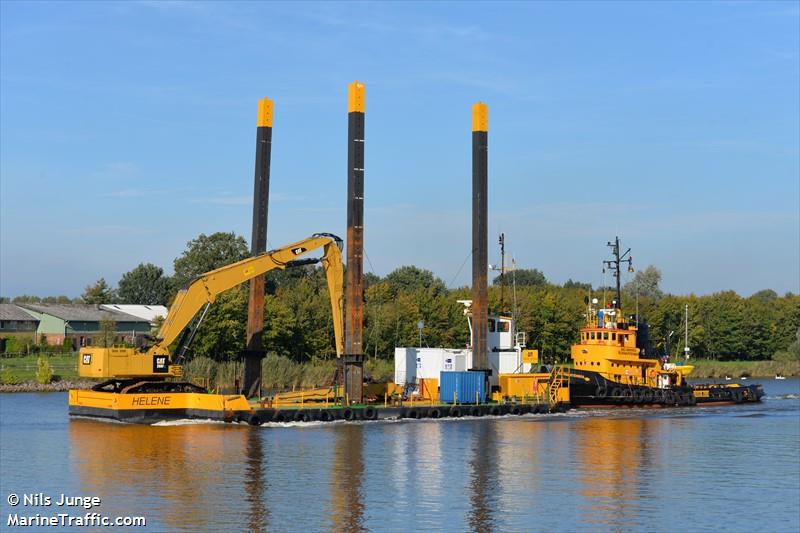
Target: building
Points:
(15, 322)
(151, 313)
(81, 323)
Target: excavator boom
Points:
(202, 292)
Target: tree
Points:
(411, 278)
(106, 333)
(645, 283)
(145, 285)
(570, 284)
(208, 252)
(221, 336)
(99, 293)
(523, 277)
(792, 353)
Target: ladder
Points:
(559, 378)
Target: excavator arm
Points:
(202, 291)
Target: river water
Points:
(733, 468)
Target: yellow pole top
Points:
(480, 117)
(356, 101)
(264, 113)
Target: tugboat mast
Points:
(614, 265)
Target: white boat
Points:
(779, 376)
(727, 378)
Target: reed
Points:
(707, 368)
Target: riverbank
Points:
(61, 385)
(706, 368)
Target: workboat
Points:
(611, 367)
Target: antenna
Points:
(614, 266)
(502, 270)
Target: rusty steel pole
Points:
(254, 350)
(480, 236)
(352, 360)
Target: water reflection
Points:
(347, 504)
(483, 484)
(613, 456)
(256, 484)
(169, 468)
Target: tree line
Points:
(298, 323)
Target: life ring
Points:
(652, 373)
(627, 395)
(648, 396)
(616, 394)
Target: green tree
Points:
(57, 300)
(410, 278)
(106, 333)
(221, 336)
(646, 284)
(26, 299)
(44, 374)
(523, 277)
(792, 352)
(145, 284)
(570, 284)
(205, 253)
(98, 293)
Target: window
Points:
(613, 336)
(593, 335)
(491, 325)
(605, 335)
(504, 326)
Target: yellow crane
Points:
(130, 370)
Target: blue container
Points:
(462, 387)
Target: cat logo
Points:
(299, 250)
(87, 359)
(160, 364)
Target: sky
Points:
(128, 129)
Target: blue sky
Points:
(128, 129)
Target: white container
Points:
(405, 365)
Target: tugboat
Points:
(611, 365)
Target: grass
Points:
(706, 368)
(18, 369)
